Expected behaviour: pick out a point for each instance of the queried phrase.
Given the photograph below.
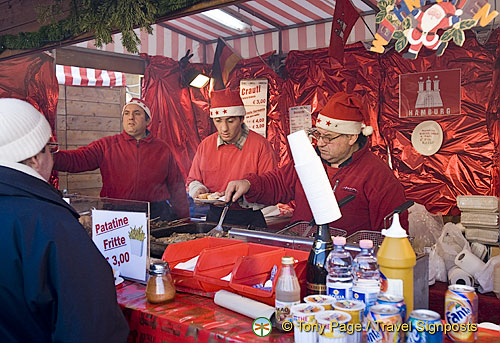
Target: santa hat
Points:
(24, 131)
(226, 103)
(141, 104)
(344, 114)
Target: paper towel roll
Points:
(242, 305)
(458, 276)
(302, 149)
(469, 262)
(318, 190)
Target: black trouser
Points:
(242, 217)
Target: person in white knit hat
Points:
(56, 285)
(341, 132)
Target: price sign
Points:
(122, 238)
(253, 93)
(300, 118)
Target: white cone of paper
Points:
(302, 149)
(314, 180)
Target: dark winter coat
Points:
(54, 283)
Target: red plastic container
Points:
(217, 263)
(252, 270)
(184, 251)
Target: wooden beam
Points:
(90, 58)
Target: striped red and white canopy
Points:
(76, 76)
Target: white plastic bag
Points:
(437, 268)
(424, 227)
(450, 243)
(485, 276)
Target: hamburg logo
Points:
(423, 94)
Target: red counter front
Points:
(192, 318)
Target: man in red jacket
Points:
(134, 165)
(352, 168)
(229, 154)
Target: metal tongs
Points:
(218, 231)
(400, 209)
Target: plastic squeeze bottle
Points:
(396, 260)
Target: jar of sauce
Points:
(160, 287)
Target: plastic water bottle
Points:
(339, 267)
(366, 276)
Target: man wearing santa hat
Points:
(134, 165)
(341, 134)
(229, 154)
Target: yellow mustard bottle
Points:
(396, 260)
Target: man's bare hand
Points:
(236, 189)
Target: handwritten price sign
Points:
(253, 93)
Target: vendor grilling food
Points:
(134, 165)
(229, 154)
(342, 143)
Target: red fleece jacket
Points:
(377, 191)
(143, 170)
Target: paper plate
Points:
(211, 201)
(427, 137)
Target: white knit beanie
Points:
(23, 130)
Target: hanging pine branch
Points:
(101, 18)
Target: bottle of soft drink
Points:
(366, 276)
(339, 267)
(287, 291)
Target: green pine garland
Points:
(100, 18)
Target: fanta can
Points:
(383, 324)
(460, 308)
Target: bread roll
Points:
(203, 196)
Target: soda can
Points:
(335, 326)
(394, 300)
(460, 308)
(356, 309)
(424, 326)
(383, 324)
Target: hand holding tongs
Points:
(218, 231)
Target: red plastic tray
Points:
(252, 270)
(216, 263)
(184, 251)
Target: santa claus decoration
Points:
(439, 16)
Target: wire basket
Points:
(375, 236)
(299, 229)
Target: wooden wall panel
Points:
(86, 114)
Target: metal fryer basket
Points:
(299, 228)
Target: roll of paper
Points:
(458, 276)
(242, 305)
(469, 262)
(302, 149)
(318, 191)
